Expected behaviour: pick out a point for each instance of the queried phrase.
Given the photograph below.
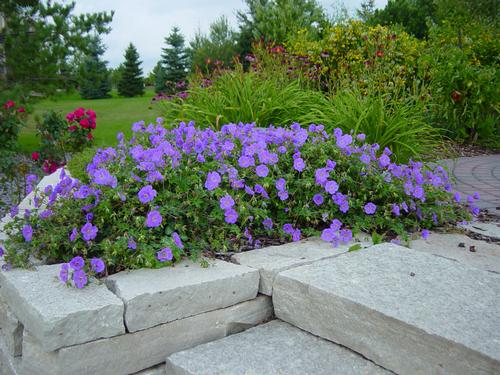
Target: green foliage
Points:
(466, 96)
(94, 77)
(131, 82)
(272, 99)
(174, 63)
(216, 49)
(41, 37)
(77, 164)
(51, 131)
(116, 75)
(401, 124)
(277, 20)
(413, 15)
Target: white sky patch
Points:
(146, 23)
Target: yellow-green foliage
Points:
(371, 57)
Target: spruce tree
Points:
(174, 61)
(94, 77)
(131, 82)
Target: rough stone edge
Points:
(390, 330)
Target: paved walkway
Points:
(481, 174)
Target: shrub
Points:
(11, 121)
(169, 193)
(59, 136)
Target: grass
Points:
(113, 115)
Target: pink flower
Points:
(35, 156)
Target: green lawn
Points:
(113, 115)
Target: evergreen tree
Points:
(174, 61)
(131, 82)
(39, 39)
(94, 77)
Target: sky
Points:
(146, 23)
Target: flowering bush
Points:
(60, 136)
(11, 121)
(165, 194)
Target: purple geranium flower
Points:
(27, 232)
(336, 224)
(395, 209)
(345, 235)
(246, 161)
(288, 228)
(154, 219)
(73, 235)
(164, 254)
(226, 202)
(283, 195)
(77, 263)
(457, 197)
(231, 216)
(318, 199)
(262, 170)
(331, 187)
(280, 184)
(328, 235)
(425, 234)
(177, 240)
(146, 194)
(370, 208)
(97, 265)
(131, 243)
(213, 180)
(64, 273)
(80, 279)
(296, 235)
(89, 231)
(268, 223)
(2, 252)
(299, 165)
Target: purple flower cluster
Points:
(335, 234)
(75, 271)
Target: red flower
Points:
(379, 53)
(35, 156)
(80, 112)
(456, 96)
(21, 110)
(90, 136)
(72, 128)
(70, 117)
(91, 113)
(85, 123)
(92, 124)
(9, 104)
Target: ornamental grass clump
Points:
(170, 193)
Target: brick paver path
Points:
(481, 174)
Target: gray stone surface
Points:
(486, 255)
(9, 365)
(410, 312)
(274, 259)
(275, 348)
(11, 330)
(59, 316)
(133, 352)
(486, 229)
(156, 296)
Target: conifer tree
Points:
(131, 82)
(174, 61)
(94, 77)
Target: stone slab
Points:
(156, 370)
(408, 311)
(486, 255)
(156, 296)
(57, 315)
(274, 348)
(133, 352)
(274, 259)
(11, 330)
(486, 229)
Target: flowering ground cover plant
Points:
(169, 193)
